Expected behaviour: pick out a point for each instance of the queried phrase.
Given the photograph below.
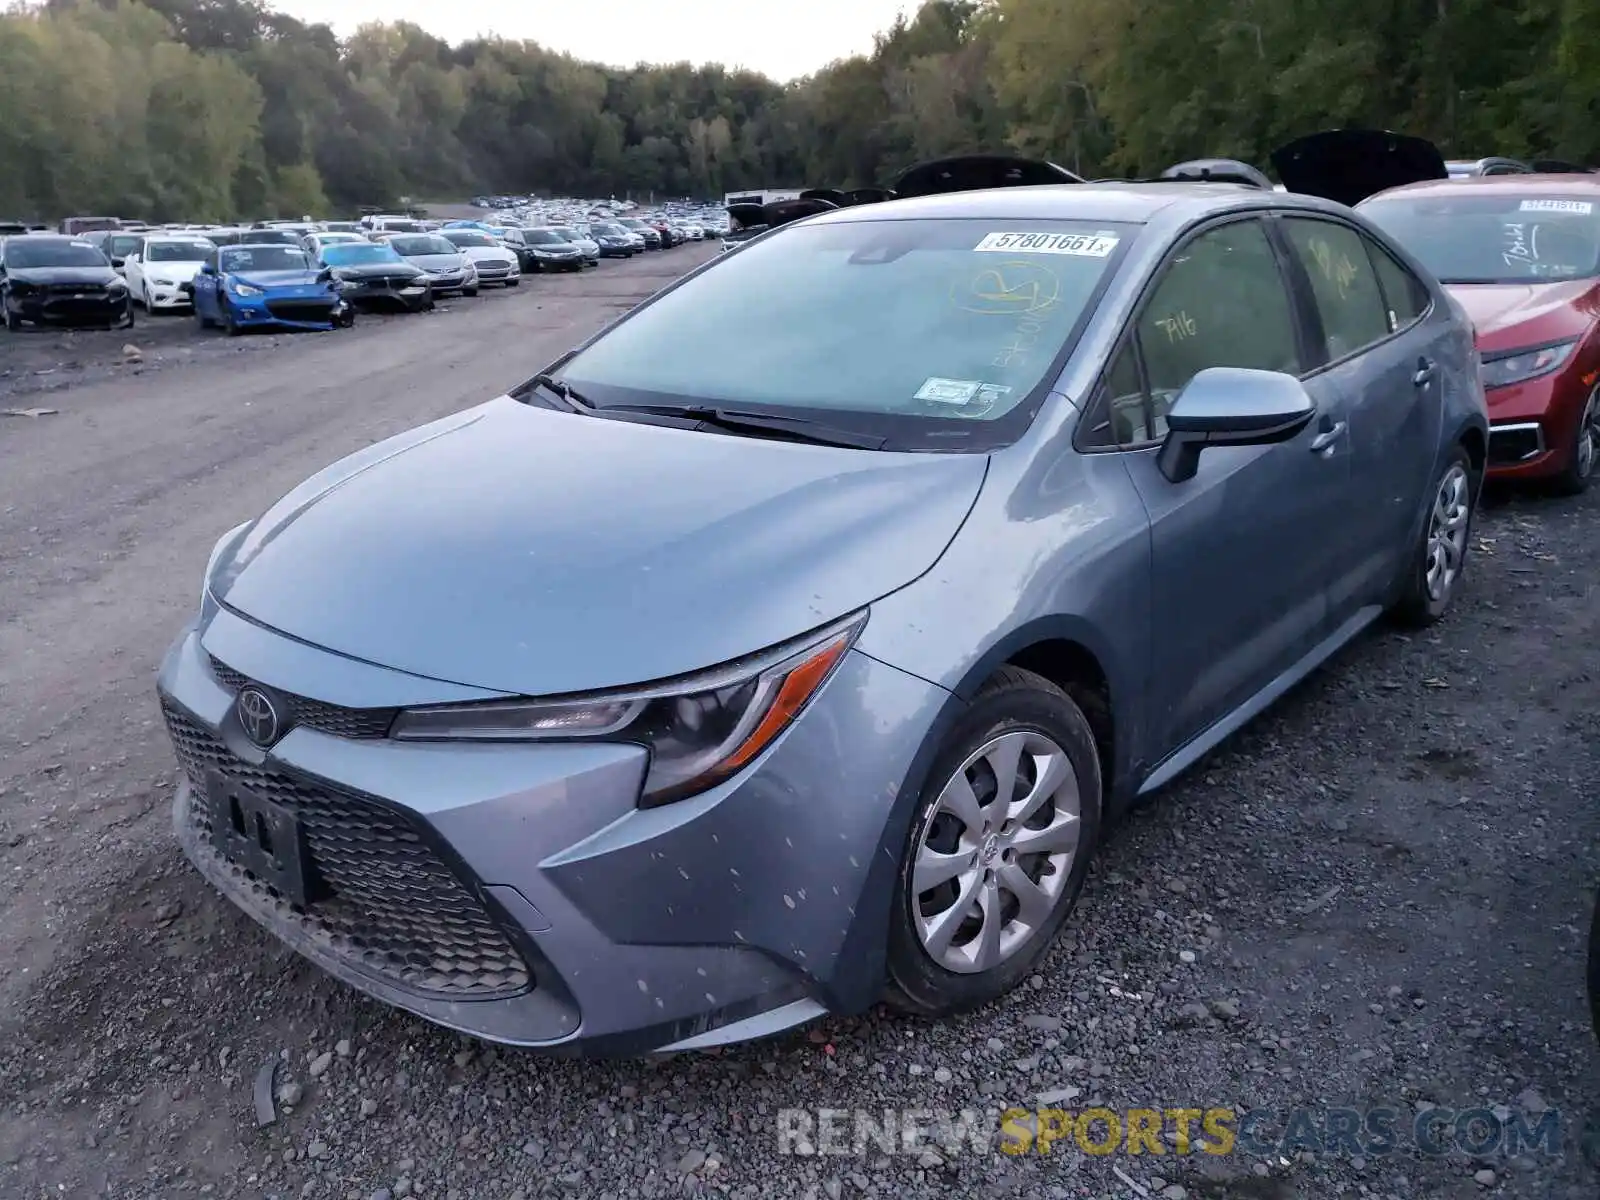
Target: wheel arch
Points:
(1070, 653)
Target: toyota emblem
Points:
(257, 716)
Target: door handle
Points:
(1426, 370)
(1323, 442)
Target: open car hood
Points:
(1218, 170)
(1348, 165)
(974, 172)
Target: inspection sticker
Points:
(1080, 245)
(1582, 207)
(948, 391)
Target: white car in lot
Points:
(158, 269)
(494, 263)
(315, 243)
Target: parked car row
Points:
(292, 275)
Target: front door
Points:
(1237, 552)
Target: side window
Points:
(1220, 303)
(1343, 282)
(1121, 414)
(1405, 294)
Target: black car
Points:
(612, 239)
(48, 279)
(549, 251)
(372, 275)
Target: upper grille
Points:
(317, 714)
(384, 899)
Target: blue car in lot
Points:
(267, 286)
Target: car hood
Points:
(1513, 315)
(100, 275)
(178, 271)
(274, 279)
(1348, 165)
(488, 253)
(535, 552)
(437, 262)
(383, 270)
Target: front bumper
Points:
(167, 296)
(517, 893)
(410, 297)
(1533, 426)
(298, 312)
(62, 305)
(568, 262)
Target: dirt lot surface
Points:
(1375, 896)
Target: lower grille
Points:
(317, 714)
(386, 902)
(301, 310)
(1511, 444)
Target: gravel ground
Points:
(1376, 895)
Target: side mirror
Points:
(1231, 406)
(118, 262)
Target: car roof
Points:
(1535, 184)
(1113, 201)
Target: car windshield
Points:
(958, 321)
(24, 253)
(1499, 235)
(356, 253)
(271, 237)
(469, 237)
(543, 237)
(177, 251)
(419, 244)
(402, 226)
(264, 258)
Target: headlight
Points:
(244, 289)
(1518, 365)
(699, 730)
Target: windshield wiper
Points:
(571, 399)
(798, 429)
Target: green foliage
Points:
(211, 109)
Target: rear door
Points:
(1238, 551)
(1375, 385)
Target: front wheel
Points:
(998, 849)
(1436, 563)
(229, 325)
(472, 291)
(511, 283)
(1585, 452)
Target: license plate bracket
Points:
(263, 837)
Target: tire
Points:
(1583, 457)
(229, 325)
(1014, 707)
(511, 283)
(1446, 531)
(469, 291)
(127, 321)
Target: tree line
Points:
(219, 109)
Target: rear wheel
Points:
(1433, 574)
(1585, 455)
(998, 850)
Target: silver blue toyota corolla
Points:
(789, 645)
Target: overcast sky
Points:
(783, 42)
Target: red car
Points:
(1522, 255)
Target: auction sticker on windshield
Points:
(1080, 245)
(1581, 207)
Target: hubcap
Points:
(1589, 437)
(996, 853)
(1447, 532)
